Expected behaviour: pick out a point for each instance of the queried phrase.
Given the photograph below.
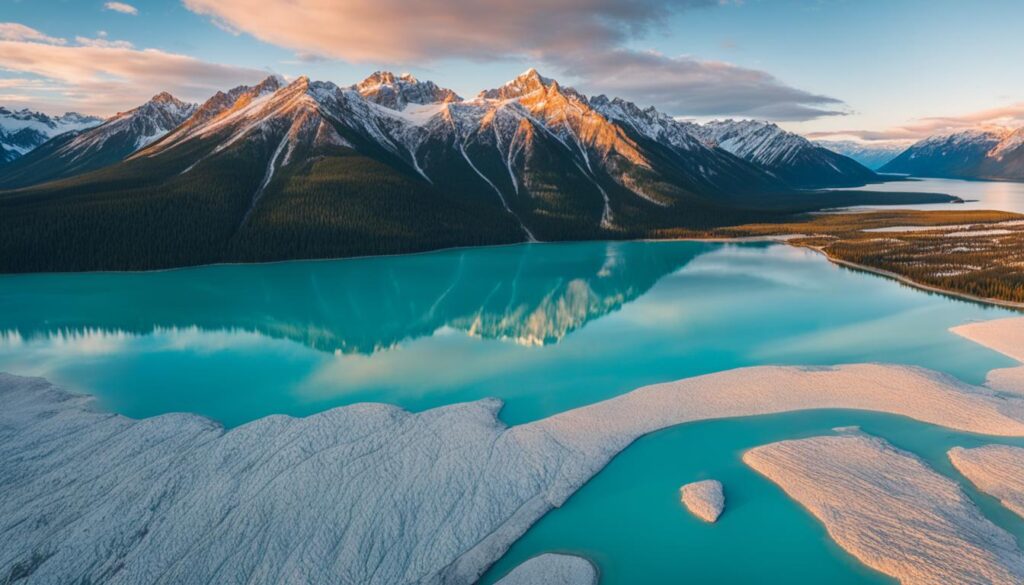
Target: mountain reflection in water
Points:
(528, 294)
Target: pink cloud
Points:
(13, 31)
(103, 76)
(585, 39)
(1009, 116)
(121, 7)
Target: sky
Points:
(870, 70)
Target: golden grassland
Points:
(974, 254)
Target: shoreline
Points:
(776, 238)
(913, 283)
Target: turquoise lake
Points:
(544, 327)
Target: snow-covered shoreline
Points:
(367, 493)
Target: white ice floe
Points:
(368, 493)
(997, 470)
(552, 569)
(888, 509)
(1005, 336)
(704, 499)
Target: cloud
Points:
(104, 76)
(13, 31)
(101, 41)
(121, 7)
(685, 85)
(586, 39)
(1009, 116)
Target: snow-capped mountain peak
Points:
(785, 154)
(132, 130)
(398, 91)
(23, 130)
(756, 140)
(1011, 142)
(975, 153)
(525, 83)
(648, 122)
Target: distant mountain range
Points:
(393, 164)
(971, 154)
(96, 146)
(23, 130)
(791, 157)
(873, 156)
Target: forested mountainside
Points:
(309, 169)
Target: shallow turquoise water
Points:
(629, 521)
(544, 327)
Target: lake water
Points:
(998, 195)
(544, 327)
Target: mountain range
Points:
(23, 130)
(392, 164)
(873, 156)
(788, 156)
(971, 154)
(85, 149)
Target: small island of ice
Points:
(997, 470)
(552, 569)
(704, 499)
(891, 511)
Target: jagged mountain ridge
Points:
(985, 153)
(789, 156)
(499, 144)
(310, 169)
(23, 130)
(83, 150)
(396, 92)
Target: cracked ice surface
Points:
(552, 569)
(997, 470)
(891, 511)
(1005, 336)
(369, 493)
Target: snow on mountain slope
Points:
(532, 147)
(873, 156)
(648, 122)
(556, 162)
(93, 148)
(969, 154)
(138, 127)
(790, 156)
(23, 130)
(1009, 145)
(397, 92)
